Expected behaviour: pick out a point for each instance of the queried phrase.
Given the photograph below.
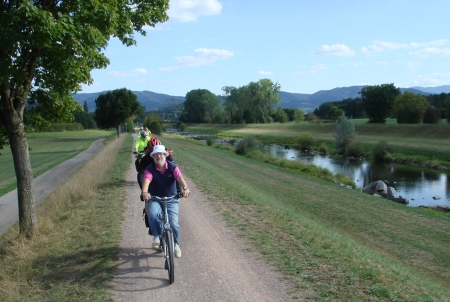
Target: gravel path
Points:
(215, 265)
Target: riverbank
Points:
(423, 145)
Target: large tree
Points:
(115, 107)
(200, 106)
(378, 101)
(50, 47)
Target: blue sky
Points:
(304, 45)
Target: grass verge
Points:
(337, 244)
(73, 255)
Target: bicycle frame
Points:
(166, 237)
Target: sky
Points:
(303, 45)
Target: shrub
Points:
(305, 141)
(381, 151)
(344, 134)
(245, 146)
(209, 140)
(323, 149)
(432, 115)
(181, 127)
(355, 149)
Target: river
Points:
(422, 187)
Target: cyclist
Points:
(160, 178)
(148, 132)
(141, 141)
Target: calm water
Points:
(418, 185)
(415, 184)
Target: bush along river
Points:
(420, 186)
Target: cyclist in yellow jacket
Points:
(141, 141)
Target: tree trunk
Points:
(118, 131)
(25, 184)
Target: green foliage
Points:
(209, 140)
(64, 127)
(323, 149)
(447, 109)
(181, 127)
(344, 134)
(115, 107)
(245, 146)
(355, 149)
(280, 116)
(130, 125)
(85, 107)
(298, 115)
(252, 103)
(312, 118)
(200, 105)
(378, 100)
(381, 151)
(154, 123)
(334, 113)
(409, 108)
(305, 141)
(432, 115)
(85, 119)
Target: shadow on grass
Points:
(95, 269)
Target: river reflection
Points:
(418, 185)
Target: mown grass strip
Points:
(73, 255)
(339, 244)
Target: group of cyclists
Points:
(158, 175)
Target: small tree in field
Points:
(447, 108)
(115, 107)
(154, 123)
(344, 134)
(409, 108)
(432, 115)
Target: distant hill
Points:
(434, 90)
(153, 101)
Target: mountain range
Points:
(153, 101)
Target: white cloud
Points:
(316, 68)
(445, 52)
(262, 72)
(334, 50)
(190, 10)
(204, 56)
(412, 64)
(359, 64)
(433, 79)
(380, 46)
(132, 73)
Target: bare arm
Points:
(183, 184)
(146, 195)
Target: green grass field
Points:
(47, 150)
(339, 244)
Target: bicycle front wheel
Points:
(170, 255)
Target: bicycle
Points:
(167, 243)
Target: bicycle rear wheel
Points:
(170, 254)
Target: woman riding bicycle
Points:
(160, 178)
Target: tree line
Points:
(379, 102)
(251, 103)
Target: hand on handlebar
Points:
(145, 196)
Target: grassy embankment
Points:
(47, 150)
(420, 144)
(335, 244)
(72, 257)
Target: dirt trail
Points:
(215, 265)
